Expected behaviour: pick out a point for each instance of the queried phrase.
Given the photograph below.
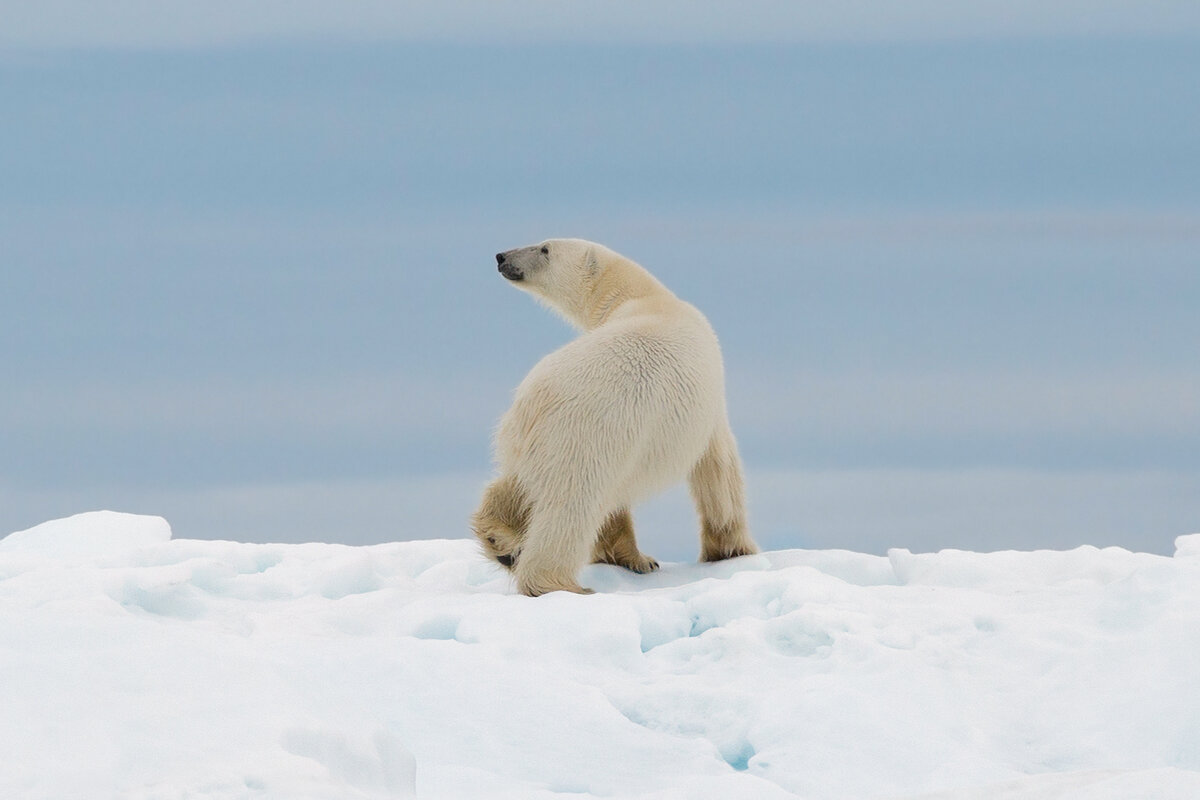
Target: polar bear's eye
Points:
(545, 250)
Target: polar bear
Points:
(633, 405)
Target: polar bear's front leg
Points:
(501, 520)
(719, 493)
(618, 546)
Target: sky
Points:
(951, 255)
(201, 23)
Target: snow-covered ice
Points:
(137, 666)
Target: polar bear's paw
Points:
(719, 553)
(535, 587)
(641, 564)
(633, 560)
(729, 540)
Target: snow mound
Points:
(180, 668)
(94, 535)
(1188, 546)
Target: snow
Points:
(101, 536)
(137, 666)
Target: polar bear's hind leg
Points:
(557, 544)
(718, 490)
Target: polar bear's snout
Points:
(507, 268)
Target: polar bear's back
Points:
(631, 404)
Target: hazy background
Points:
(246, 273)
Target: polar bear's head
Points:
(581, 280)
(560, 272)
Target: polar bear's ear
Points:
(591, 261)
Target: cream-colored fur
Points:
(633, 405)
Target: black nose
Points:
(505, 559)
(499, 258)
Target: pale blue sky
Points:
(248, 285)
(201, 23)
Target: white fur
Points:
(630, 407)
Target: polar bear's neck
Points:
(617, 286)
